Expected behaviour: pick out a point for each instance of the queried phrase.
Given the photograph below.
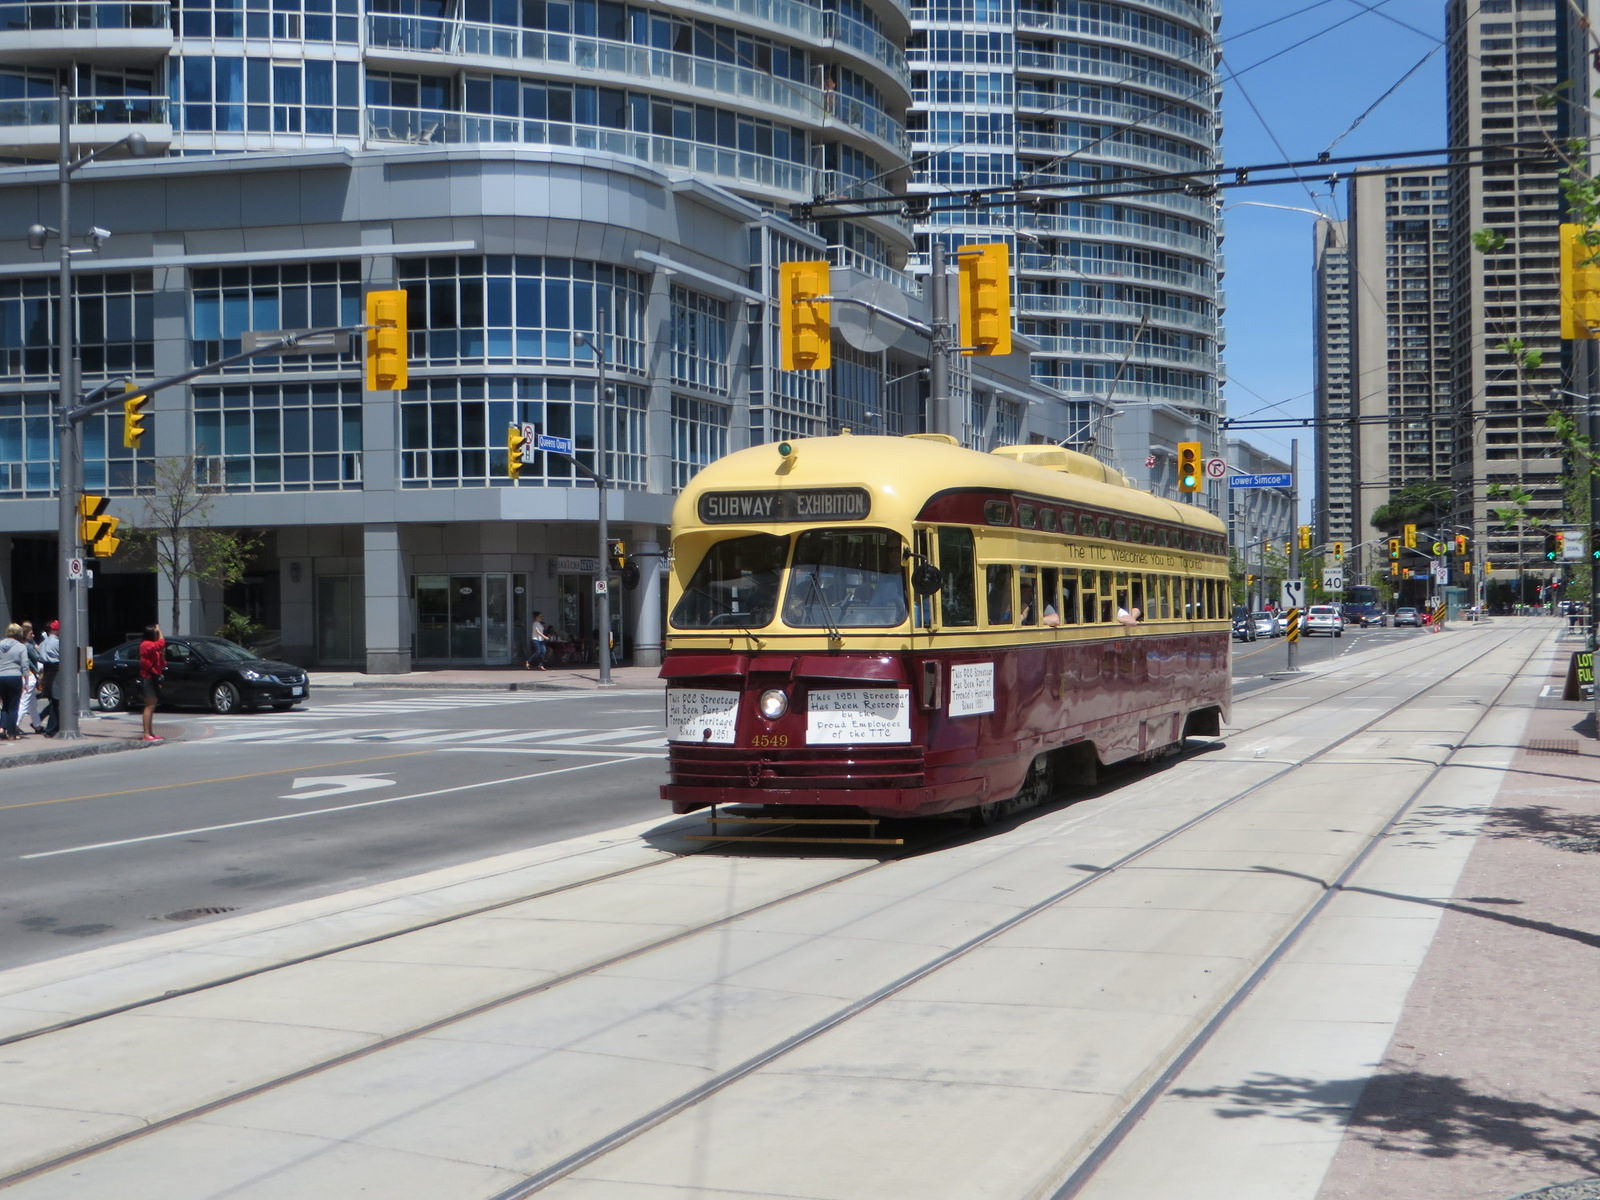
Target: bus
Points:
(902, 627)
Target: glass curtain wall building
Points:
(1067, 105)
(526, 172)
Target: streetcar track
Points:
(631, 1130)
(619, 1137)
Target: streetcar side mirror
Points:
(926, 579)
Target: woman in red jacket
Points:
(152, 666)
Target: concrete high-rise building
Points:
(1400, 264)
(527, 174)
(1118, 290)
(1505, 57)
(1335, 508)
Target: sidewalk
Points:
(104, 733)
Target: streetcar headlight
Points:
(774, 703)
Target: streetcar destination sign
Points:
(807, 504)
(1260, 480)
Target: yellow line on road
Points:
(343, 762)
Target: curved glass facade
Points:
(1120, 292)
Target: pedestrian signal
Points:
(96, 528)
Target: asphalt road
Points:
(261, 809)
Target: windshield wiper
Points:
(827, 609)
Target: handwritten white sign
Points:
(699, 716)
(971, 689)
(849, 715)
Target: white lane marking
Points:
(318, 812)
(335, 785)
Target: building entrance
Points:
(467, 619)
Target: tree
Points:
(1421, 502)
(175, 534)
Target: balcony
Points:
(31, 129)
(38, 33)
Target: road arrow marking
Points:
(336, 785)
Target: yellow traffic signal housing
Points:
(1394, 549)
(1461, 543)
(985, 273)
(1287, 547)
(386, 340)
(134, 416)
(1305, 537)
(96, 529)
(1580, 281)
(1190, 477)
(515, 441)
(619, 553)
(804, 332)
(1411, 537)
(1338, 552)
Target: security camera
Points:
(98, 235)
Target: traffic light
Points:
(1338, 552)
(985, 273)
(618, 553)
(1394, 549)
(1190, 477)
(1305, 537)
(386, 340)
(516, 440)
(1594, 543)
(803, 330)
(1249, 579)
(96, 529)
(1552, 547)
(1561, 544)
(1580, 281)
(1461, 543)
(1411, 537)
(1287, 547)
(133, 415)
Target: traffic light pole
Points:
(1293, 652)
(602, 591)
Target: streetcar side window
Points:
(1069, 597)
(1104, 591)
(1030, 603)
(1049, 595)
(958, 599)
(1136, 597)
(736, 584)
(998, 583)
(1164, 596)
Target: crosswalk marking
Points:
(635, 739)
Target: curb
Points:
(66, 750)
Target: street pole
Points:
(602, 595)
(68, 450)
(1294, 543)
(940, 417)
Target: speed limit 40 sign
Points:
(1333, 582)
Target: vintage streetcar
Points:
(900, 627)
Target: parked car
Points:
(1407, 616)
(1267, 624)
(202, 672)
(1324, 618)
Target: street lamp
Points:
(602, 583)
(69, 449)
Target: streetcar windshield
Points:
(846, 578)
(735, 585)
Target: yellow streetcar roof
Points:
(901, 474)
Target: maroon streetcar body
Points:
(946, 692)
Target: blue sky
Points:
(1308, 97)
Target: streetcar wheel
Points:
(987, 814)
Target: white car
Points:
(1324, 618)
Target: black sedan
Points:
(202, 672)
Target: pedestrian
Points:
(27, 708)
(13, 663)
(50, 652)
(152, 669)
(538, 643)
